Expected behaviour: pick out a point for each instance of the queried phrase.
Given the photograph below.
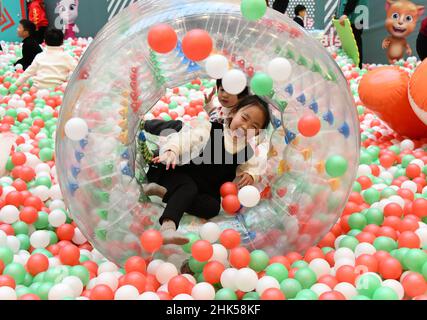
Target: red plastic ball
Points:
(19, 185)
(162, 38)
(419, 207)
(14, 198)
(151, 240)
(164, 295)
(230, 238)
(346, 274)
(408, 239)
(34, 202)
(329, 280)
(368, 261)
(19, 159)
(27, 174)
(202, 250)
(414, 284)
(101, 292)
(231, 204)
(393, 209)
(197, 44)
(332, 295)
(390, 268)
(413, 171)
(7, 281)
(366, 237)
(309, 125)
(29, 296)
(65, 232)
(212, 272)
(273, 294)
(239, 257)
(228, 188)
(137, 264)
(69, 255)
(280, 259)
(136, 279)
(179, 285)
(37, 263)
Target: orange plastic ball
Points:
(390, 268)
(332, 295)
(179, 285)
(419, 207)
(408, 239)
(272, 294)
(230, 238)
(202, 250)
(37, 263)
(228, 188)
(135, 264)
(101, 292)
(162, 38)
(69, 255)
(212, 272)
(7, 281)
(231, 204)
(151, 240)
(239, 257)
(309, 125)
(346, 274)
(368, 261)
(197, 44)
(136, 279)
(414, 284)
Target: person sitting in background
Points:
(30, 47)
(422, 41)
(50, 69)
(300, 13)
(37, 15)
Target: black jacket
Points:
(30, 49)
(300, 21)
(281, 5)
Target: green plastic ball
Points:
(406, 160)
(290, 288)
(385, 244)
(375, 216)
(336, 166)
(253, 9)
(251, 296)
(385, 293)
(415, 259)
(24, 241)
(277, 271)
(365, 158)
(82, 273)
(387, 193)
(225, 294)
(357, 187)
(47, 253)
(367, 284)
(44, 181)
(259, 260)
(306, 277)
(349, 242)
(306, 294)
(196, 266)
(357, 221)
(16, 271)
(299, 264)
(371, 195)
(42, 221)
(192, 237)
(43, 290)
(6, 255)
(262, 84)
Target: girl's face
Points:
(69, 10)
(227, 100)
(248, 121)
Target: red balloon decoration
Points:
(197, 44)
(162, 38)
(309, 125)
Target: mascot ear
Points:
(421, 10)
(388, 4)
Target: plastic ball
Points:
(231, 204)
(320, 267)
(203, 291)
(279, 69)
(265, 283)
(414, 284)
(230, 238)
(309, 125)
(346, 289)
(7, 293)
(332, 295)
(57, 218)
(229, 188)
(261, 84)
(162, 38)
(75, 284)
(126, 292)
(197, 44)
(210, 231)
(246, 279)
(179, 285)
(76, 129)
(239, 257)
(234, 81)
(40, 239)
(148, 296)
(151, 240)
(273, 294)
(69, 255)
(101, 292)
(216, 66)
(396, 286)
(336, 166)
(137, 264)
(220, 253)
(202, 250)
(165, 272)
(9, 214)
(249, 196)
(37, 263)
(253, 9)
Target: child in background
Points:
(220, 109)
(30, 47)
(37, 15)
(52, 68)
(210, 155)
(300, 13)
(422, 41)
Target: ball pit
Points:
(336, 261)
(307, 179)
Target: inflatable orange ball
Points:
(197, 44)
(151, 240)
(417, 92)
(162, 38)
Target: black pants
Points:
(39, 35)
(183, 195)
(358, 36)
(422, 46)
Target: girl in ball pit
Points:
(209, 155)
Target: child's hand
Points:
(209, 98)
(245, 180)
(169, 158)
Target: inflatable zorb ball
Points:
(313, 138)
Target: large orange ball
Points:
(151, 240)
(37, 263)
(309, 125)
(197, 44)
(69, 255)
(135, 264)
(202, 250)
(162, 38)
(414, 284)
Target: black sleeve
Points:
(350, 7)
(299, 21)
(29, 52)
(156, 127)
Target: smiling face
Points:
(248, 121)
(68, 10)
(402, 17)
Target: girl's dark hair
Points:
(257, 101)
(241, 95)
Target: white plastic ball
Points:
(347, 290)
(234, 81)
(203, 291)
(165, 272)
(216, 66)
(7, 293)
(183, 296)
(364, 170)
(57, 218)
(153, 266)
(396, 286)
(418, 162)
(397, 199)
(421, 233)
(265, 283)
(249, 196)
(220, 253)
(246, 280)
(410, 185)
(78, 237)
(76, 129)
(9, 214)
(229, 278)
(337, 241)
(54, 262)
(343, 253)
(109, 279)
(42, 167)
(55, 192)
(60, 291)
(40, 239)
(148, 296)
(320, 288)
(279, 69)
(364, 248)
(75, 284)
(57, 204)
(92, 283)
(107, 267)
(210, 231)
(320, 267)
(42, 192)
(127, 292)
(407, 145)
(343, 262)
(13, 243)
(3, 238)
